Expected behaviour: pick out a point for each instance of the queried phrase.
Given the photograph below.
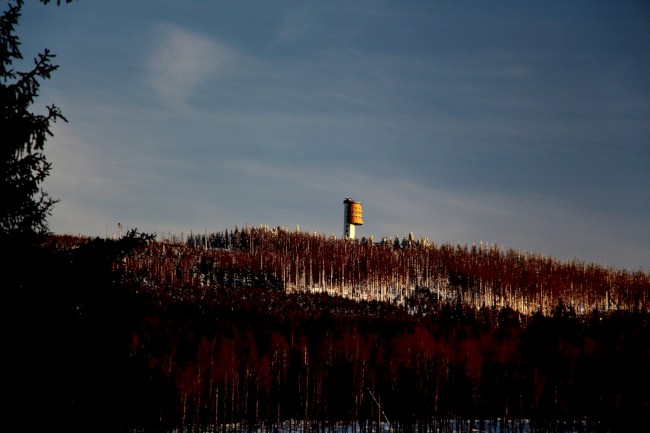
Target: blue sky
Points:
(520, 124)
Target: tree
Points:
(25, 206)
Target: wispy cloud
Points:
(180, 60)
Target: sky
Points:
(524, 125)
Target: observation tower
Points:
(352, 217)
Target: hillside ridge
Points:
(388, 270)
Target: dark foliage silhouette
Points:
(137, 334)
(23, 166)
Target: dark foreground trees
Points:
(93, 350)
(25, 206)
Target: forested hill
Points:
(263, 329)
(389, 270)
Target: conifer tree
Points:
(23, 166)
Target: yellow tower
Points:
(352, 217)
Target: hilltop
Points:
(388, 271)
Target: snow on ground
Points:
(497, 425)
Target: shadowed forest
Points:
(265, 329)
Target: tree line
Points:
(390, 271)
(123, 335)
